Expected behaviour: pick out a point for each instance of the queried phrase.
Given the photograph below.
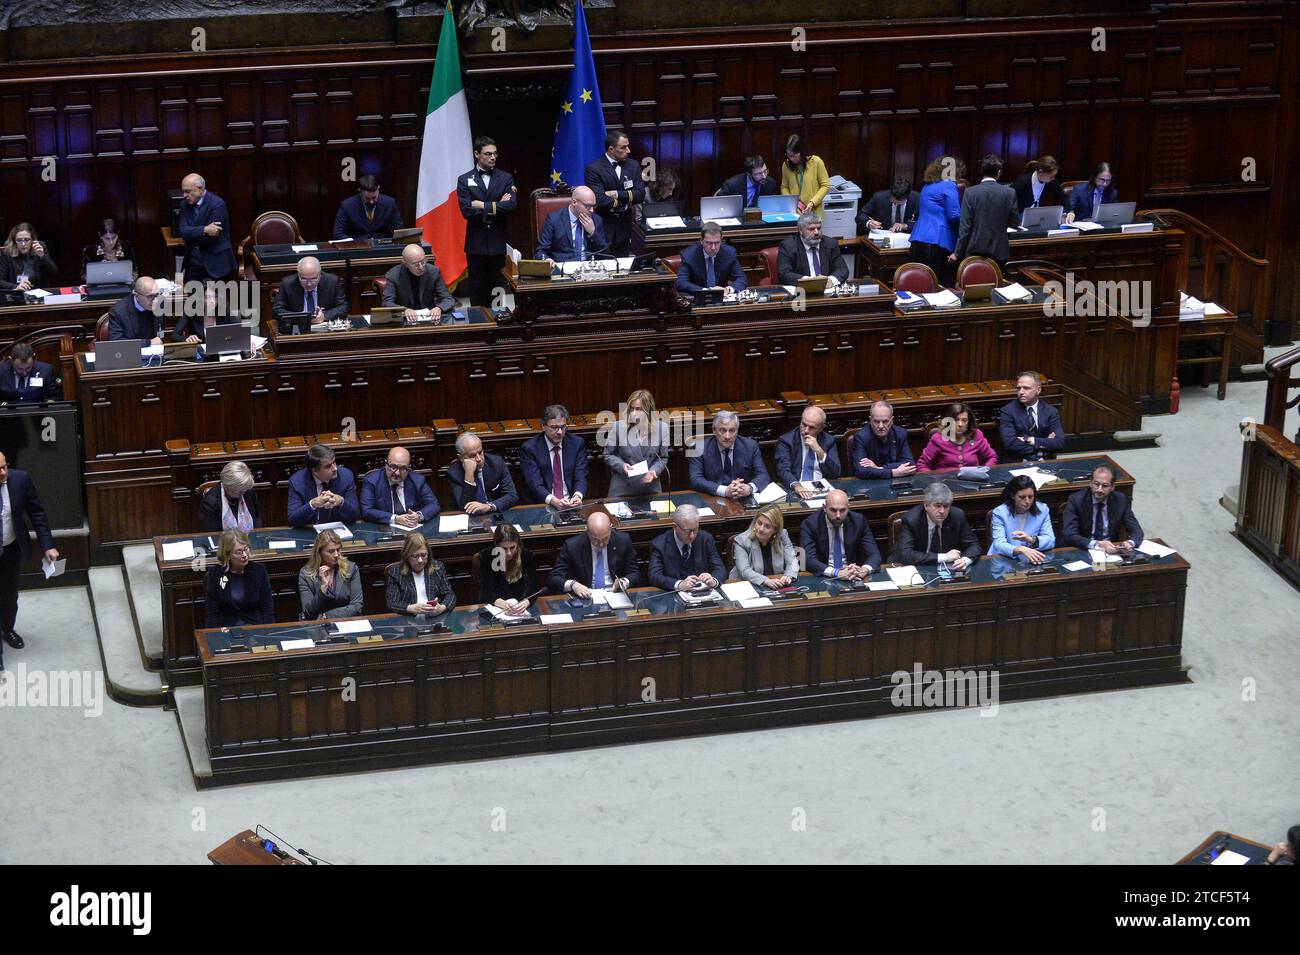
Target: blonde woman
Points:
(416, 584)
(763, 554)
(238, 591)
(804, 175)
(641, 437)
(330, 584)
(25, 262)
(231, 505)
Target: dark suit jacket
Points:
(51, 389)
(430, 291)
(881, 208)
(1081, 199)
(1053, 194)
(693, 274)
(600, 176)
(792, 263)
(737, 186)
(988, 209)
(789, 457)
(256, 606)
(1121, 524)
(859, 543)
(746, 461)
(351, 223)
(213, 252)
(377, 497)
(302, 489)
(40, 271)
(210, 509)
(1014, 420)
(399, 588)
(914, 537)
(497, 484)
(556, 241)
(888, 454)
(26, 506)
(574, 561)
(485, 229)
(666, 567)
(329, 296)
(125, 321)
(535, 466)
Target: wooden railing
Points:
(1268, 503)
(1278, 400)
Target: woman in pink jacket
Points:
(968, 446)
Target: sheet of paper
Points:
(1085, 226)
(494, 611)
(662, 507)
(304, 248)
(666, 222)
(641, 467)
(1077, 566)
(451, 523)
(739, 590)
(881, 585)
(257, 342)
(1152, 549)
(945, 297)
(304, 644)
(773, 492)
(1038, 477)
(1062, 232)
(1014, 292)
(282, 545)
(727, 221)
(705, 511)
(1101, 557)
(617, 600)
(400, 528)
(53, 568)
(901, 576)
(178, 550)
(37, 293)
(813, 503)
(1211, 308)
(149, 351)
(1228, 857)
(338, 527)
(353, 626)
(753, 603)
(553, 618)
(620, 509)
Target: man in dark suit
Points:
(487, 196)
(710, 264)
(987, 211)
(367, 215)
(1100, 518)
(839, 543)
(322, 492)
(601, 559)
(880, 448)
(319, 294)
(616, 181)
(685, 558)
(1030, 429)
(934, 530)
(1039, 187)
(893, 209)
(807, 453)
(395, 494)
(554, 464)
(135, 317)
(1098, 190)
(810, 253)
(568, 234)
(19, 504)
(480, 483)
(729, 465)
(205, 227)
(751, 183)
(417, 286)
(26, 381)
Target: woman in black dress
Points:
(238, 590)
(506, 572)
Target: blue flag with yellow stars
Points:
(580, 131)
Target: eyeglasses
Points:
(239, 552)
(21, 241)
(398, 468)
(556, 427)
(1101, 485)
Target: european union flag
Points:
(580, 131)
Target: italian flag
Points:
(446, 151)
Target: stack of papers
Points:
(818, 488)
(902, 576)
(1066, 230)
(553, 618)
(613, 599)
(1015, 292)
(1190, 308)
(663, 507)
(338, 527)
(1152, 549)
(1038, 477)
(178, 550)
(353, 626)
(1101, 557)
(705, 597)
(739, 590)
(1086, 226)
(1212, 308)
(727, 221)
(773, 492)
(666, 222)
(943, 299)
(53, 568)
(452, 523)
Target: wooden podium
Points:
(246, 849)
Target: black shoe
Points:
(15, 641)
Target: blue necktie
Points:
(686, 557)
(710, 277)
(751, 188)
(728, 475)
(837, 552)
(482, 492)
(598, 574)
(310, 307)
(577, 239)
(808, 459)
(1099, 522)
(816, 259)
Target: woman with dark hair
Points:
(25, 262)
(1021, 527)
(1287, 853)
(416, 584)
(934, 234)
(1087, 196)
(1037, 187)
(238, 591)
(804, 175)
(506, 572)
(109, 247)
(957, 443)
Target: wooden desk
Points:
(1256, 852)
(246, 848)
(46, 323)
(1268, 505)
(357, 263)
(480, 690)
(618, 298)
(1214, 331)
(361, 338)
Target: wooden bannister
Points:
(1277, 401)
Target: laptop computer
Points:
(814, 285)
(108, 279)
(662, 210)
(227, 340)
(294, 323)
(981, 292)
(115, 356)
(778, 208)
(387, 315)
(1042, 218)
(724, 210)
(646, 262)
(1114, 214)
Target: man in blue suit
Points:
(396, 494)
(807, 453)
(729, 465)
(19, 503)
(480, 482)
(205, 227)
(838, 543)
(880, 448)
(26, 381)
(322, 492)
(366, 215)
(751, 183)
(569, 234)
(1100, 518)
(1086, 196)
(710, 264)
(685, 558)
(554, 464)
(1031, 429)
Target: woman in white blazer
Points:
(636, 436)
(763, 554)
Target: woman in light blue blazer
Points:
(763, 555)
(1021, 526)
(638, 435)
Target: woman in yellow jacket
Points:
(804, 176)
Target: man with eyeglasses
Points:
(205, 227)
(571, 233)
(1100, 517)
(417, 286)
(487, 196)
(396, 495)
(313, 292)
(136, 316)
(712, 264)
(554, 464)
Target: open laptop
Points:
(1112, 215)
(724, 210)
(227, 340)
(814, 284)
(1042, 218)
(108, 279)
(115, 356)
(778, 208)
(981, 292)
(662, 210)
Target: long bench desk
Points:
(401, 695)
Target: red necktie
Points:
(557, 474)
